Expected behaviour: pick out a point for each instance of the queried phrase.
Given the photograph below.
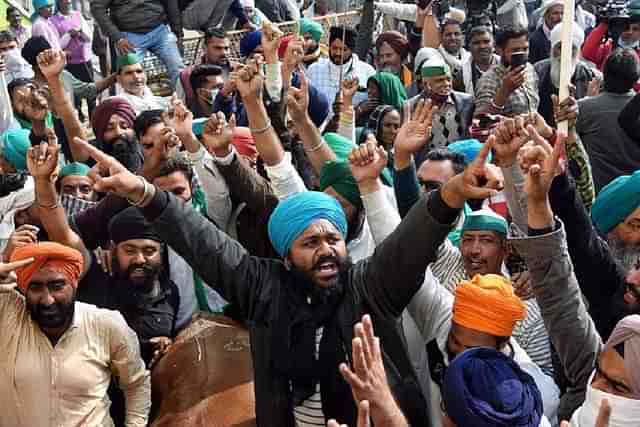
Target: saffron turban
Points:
(52, 255)
(488, 304)
(337, 175)
(107, 108)
(485, 220)
(297, 212)
(484, 388)
(243, 142)
(626, 339)
(396, 40)
(616, 201)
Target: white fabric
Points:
(248, 3)
(7, 120)
(148, 101)
(11, 204)
(424, 54)
(467, 74)
(325, 76)
(454, 61)
(624, 412)
(273, 81)
(17, 67)
(400, 11)
(577, 36)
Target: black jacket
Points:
(381, 285)
(539, 46)
(601, 277)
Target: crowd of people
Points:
(389, 208)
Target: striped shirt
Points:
(309, 413)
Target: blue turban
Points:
(250, 42)
(616, 201)
(484, 388)
(469, 148)
(15, 144)
(297, 212)
(37, 5)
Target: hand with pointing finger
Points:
(7, 276)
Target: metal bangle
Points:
(51, 207)
(145, 193)
(315, 148)
(263, 129)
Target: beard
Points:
(626, 254)
(127, 151)
(53, 316)
(337, 59)
(390, 69)
(322, 294)
(554, 73)
(144, 283)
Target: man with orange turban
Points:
(55, 340)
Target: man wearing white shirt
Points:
(326, 72)
(133, 81)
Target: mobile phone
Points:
(518, 59)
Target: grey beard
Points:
(626, 254)
(554, 73)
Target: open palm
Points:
(415, 133)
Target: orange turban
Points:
(487, 304)
(53, 255)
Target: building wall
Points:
(24, 5)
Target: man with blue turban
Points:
(616, 215)
(485, 388)
(14, 145)
(312, 32)
(301, 310)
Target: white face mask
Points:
(213, 92)
(625, 412)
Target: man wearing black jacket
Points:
(314, 288)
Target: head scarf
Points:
(33, 47)
(248, 4)
(309, 26)
(337, 175)
(487, 304)
(422, 56)
(485, 388)
(130, 224)
(349, 36)
(469, 148)
(374, 124)
(243, 142)
(391, 89)
(107, 108)
(284, 43)
(396, 40)
(297, 212)
(250, 42)
(616, 201)
(577, 36)
(74, 169)
(48, 254)
(483, 220)
(15, 144)
(130, 58)
(340, 145)
(627, 333)
(12, 203)
(548, 5)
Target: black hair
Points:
(179, 163)
(214, 32)
(481, 29)
(7, 36)
(12, 9)
(16, 83)
(620, 71)
(510, 33)
(200, 73)
(145, 120)
(443, 154)
(449, 21)
(33, 47)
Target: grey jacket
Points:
(570, 327)
(134, 16)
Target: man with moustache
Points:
(548, 71)
(60, 355)
(325, 73)
(540, 40)
(132, 78)
(481, 46)
(393, 49)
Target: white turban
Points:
(577, 35)
(549, 4)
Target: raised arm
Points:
(42, 162)
(215, 257)
(51, 63)
(570, 327)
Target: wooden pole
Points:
(566, 56)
